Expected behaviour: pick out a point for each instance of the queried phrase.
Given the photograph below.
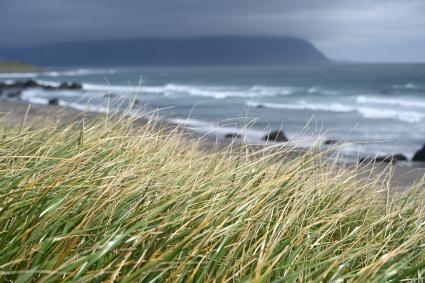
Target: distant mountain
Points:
(197, 51)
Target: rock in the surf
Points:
(233, 136)
(53, 101)
(15, 94)
(277, 136)
(386, 159)
(420, 155)
(72, 85)
(330, 142)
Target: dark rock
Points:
(260, 106)
(330, 142)
(420, 155)
(20, 84)
(53, 101)
(15, 94)
(387, 159)
(277, 136)
(73, 85)
(233, 136)
(48, 87)
(30, 83)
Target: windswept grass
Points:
(108, 202)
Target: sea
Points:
(373, 109)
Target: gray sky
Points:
(361, 30)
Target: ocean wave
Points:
(220, 92)
(406, 86)
(365, 112)
(333, 107)
(32, 96)
(379, 113)
(87, 107)
(217, 92)
(37, 100)
(390, 101)
(318, 90)
(59, 92)
(248, 134)
(48, 83)
(18, 75)
(111, 88)
(78, 72)
(313, 90)
(272, 91)
(66, 73)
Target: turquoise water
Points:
(379, 109)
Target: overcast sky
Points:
(360, 30)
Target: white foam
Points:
(379, 113)
(302, 105)
(312, 90)
(249, 135)
(366, 112)
(48, 83)
(272, 91)
(194, 90)
(86, 107)
(111, 88)
(18, 75)
(78, 72)
(390, 101)
(406, 86)
(37, 100)
(191, 122)
(66, 73)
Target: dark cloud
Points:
(365, 30)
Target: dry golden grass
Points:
(108, 202)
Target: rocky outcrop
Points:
(233, 136)
(330, 142)
(72, 85)
(386, 159)
(53, 101)
(420, 155)
(33, 84)
(276, 136)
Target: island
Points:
(17, 67)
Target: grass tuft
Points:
(112, 202)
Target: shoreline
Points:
(14, 112)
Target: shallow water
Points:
(380, 109)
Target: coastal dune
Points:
(109, 198)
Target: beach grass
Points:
(102, 200)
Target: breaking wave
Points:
(365, 112)
(406, 86)
(390, 101)
(202, 91)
